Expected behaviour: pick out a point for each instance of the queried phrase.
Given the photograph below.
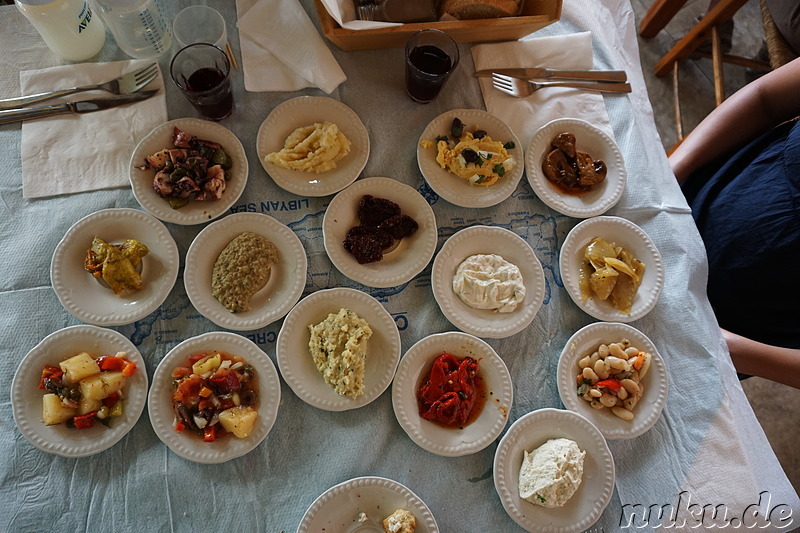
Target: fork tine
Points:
(502, 88)
(500, 80)
(145, 72)
(142, 83)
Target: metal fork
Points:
(125, 84)
(522, 88)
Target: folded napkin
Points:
(344, 13)
(75, 153)
(526, 115)
(282, 50)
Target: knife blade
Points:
(81, 106)
(549, 74)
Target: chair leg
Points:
(676, 106)
(716, 61)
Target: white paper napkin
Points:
(344, 13)
(526, 115)
(282, 50)
(75, 153)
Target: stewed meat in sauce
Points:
(573, 172)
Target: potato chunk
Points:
(238, 420)
(87, 406)
(208, 363)
(100, 386)
(55, 412)
(78, 367)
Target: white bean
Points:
(595, 393)
(589, 374)
(595, 356)
(646, 366)
(622, 393)
(601, 369)
(616, 350)
(625, 343)
(586, 361)
(587, 397)
(632, 351)
(603, 351)
(630, 403)
(608, 400)
(597, 405)
(616, 362)
(622, 413)
(631, 386)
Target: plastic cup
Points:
(431, 57)
(199, 24)
(202, 72)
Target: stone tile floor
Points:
(776, 406)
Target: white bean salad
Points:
(612, 377)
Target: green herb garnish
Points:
(509, 145)
(499, 169)
(441, 138)
(541, 498)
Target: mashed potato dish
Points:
(338, 346)
(315, 148)
(551, 474)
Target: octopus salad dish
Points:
(192, 169)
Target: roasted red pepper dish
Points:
(453, 393)
(215, 394)
(83, 390)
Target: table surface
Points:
(707, 448)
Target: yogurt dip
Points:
(487, 281)
(551, 474)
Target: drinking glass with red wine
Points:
(431, 56)
(202, 72)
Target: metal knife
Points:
(550, 74)
(82, 106)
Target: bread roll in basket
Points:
(481, 9)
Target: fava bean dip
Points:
(241, 270)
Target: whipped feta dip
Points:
(551, 474)
(487, 281)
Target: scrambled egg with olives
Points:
(473, 156)
(315, 148)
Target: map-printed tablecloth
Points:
(706, 450)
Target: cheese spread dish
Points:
(487, 281)
(241, 270)
(338, 346)
(551, 474)
(315, 148)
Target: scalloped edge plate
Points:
(88, 299)
(411, 255)
(416, 364)
(654, 397)
(595, 491)
(591, 140)
(338, 508)
(194, 212)
(624, 233)
(190, 446)
(454, 189)
(295, 362)
(303, 111)
(26, 403)
(283, 289)
(487, 240)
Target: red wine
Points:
(219, 103)
(425, 81)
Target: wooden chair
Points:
(778, 49)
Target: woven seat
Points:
(778, 49)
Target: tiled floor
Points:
(776, 406)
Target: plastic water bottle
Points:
(138, 26)
(68, 27)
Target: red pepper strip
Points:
(50, 372)
(180, 426)
(129, 368)
(85, 421)
(111, 399)
(210, 433)
(612, 384)
(195, 358)
(112, 363)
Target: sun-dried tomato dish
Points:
(453, 393)
(215, 394)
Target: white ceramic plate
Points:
(91, 300)
(454, 189)
(194, 212)
(587, 504)
(339, 507)
(406, 260)
(295, 362)
(413, 369)
(591, 140)
(274, 300)
(190, 446)
(628, 235)
(304, 111)
(487, 240)
(26, 398)
(656, 383)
